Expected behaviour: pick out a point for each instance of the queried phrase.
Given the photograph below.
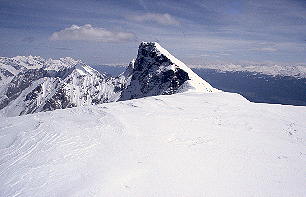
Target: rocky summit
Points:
(156, 72)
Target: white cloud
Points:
(89, 33)
(164, 19)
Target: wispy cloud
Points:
(164, 19)
(89, 33)
(266, 49)
(63, 48)
(28, 39)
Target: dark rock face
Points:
(19, 83)
(23, 80)
(59, 100)
(6, 73)
(34, 94)
(153, 74)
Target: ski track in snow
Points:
(189, 144)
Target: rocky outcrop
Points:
(156, 72)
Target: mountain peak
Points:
(156, 71)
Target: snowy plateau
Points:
(156, 130)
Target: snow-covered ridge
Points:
(188, 144)
(297, 71)
(195, 83)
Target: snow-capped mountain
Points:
(10, 67)
(188, 144)
(43, 85)
(56, 84)
(156, 72)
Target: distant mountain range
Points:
(258, 87)
(33, 84)
(297, 71)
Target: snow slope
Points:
(187, 144)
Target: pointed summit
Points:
(157, 72)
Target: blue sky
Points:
(197, 32)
